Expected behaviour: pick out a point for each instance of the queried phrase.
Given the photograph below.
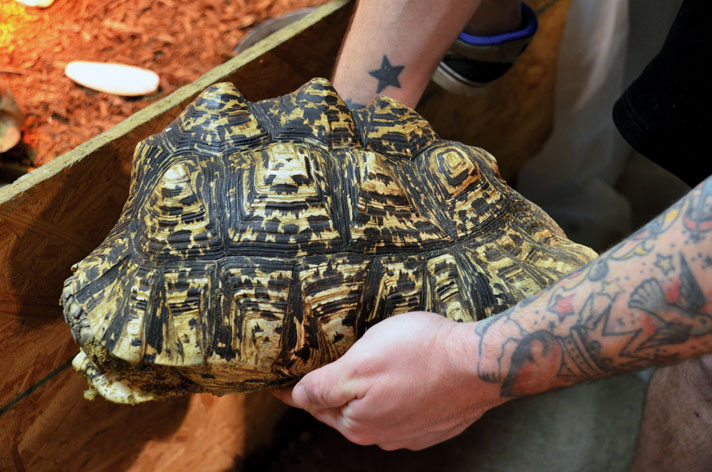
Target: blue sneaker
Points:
(474, 62)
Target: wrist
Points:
(464, 349)
(523, 356)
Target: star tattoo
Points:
(611, 289)
(664, 263)
(562, 306)
(387, 74)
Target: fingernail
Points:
(299, 397)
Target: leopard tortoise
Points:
(260, 240)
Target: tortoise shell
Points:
(260, 240)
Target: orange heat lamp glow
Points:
(12, 17)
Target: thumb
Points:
(324, 388)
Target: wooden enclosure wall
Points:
(56, 215)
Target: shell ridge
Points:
(229, 191)
(152, 328)
(368, 296)
(394, 129)
(294, 316)
(476, 309)
(361, 117)
(335, 188)
(260, 110)
(488, 292)
(119, 331)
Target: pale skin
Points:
(418, 379)
(385, 29)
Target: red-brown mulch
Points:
(178, 39)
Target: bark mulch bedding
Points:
(178, 39)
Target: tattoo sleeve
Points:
(646, 301)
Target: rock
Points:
(117, 79)
(268, 27)
(10, 121)
(36, 3)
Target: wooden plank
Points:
(61, 431)
(54, 217)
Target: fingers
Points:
(322, 389)
(284, 394)
(329, 416)
(325, 388)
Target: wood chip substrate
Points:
(179, 40)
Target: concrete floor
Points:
(591, 427)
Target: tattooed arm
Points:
(417, 379)
(393, 47)
(645, 302)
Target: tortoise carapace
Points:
(260, 240)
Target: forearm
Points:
(643, 303)
(412, 36)
(393, 47)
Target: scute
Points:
(278, 201)
(392, 129)
(447, 290)
(175, 336)
(383, 213)
(331, 291)
(260, 240)
(314, 114)
(254, 298)
(178, 221)
(219, 119)
(393, 288)
(471, 195)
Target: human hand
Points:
(410, 382)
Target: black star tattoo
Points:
(387, 74)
